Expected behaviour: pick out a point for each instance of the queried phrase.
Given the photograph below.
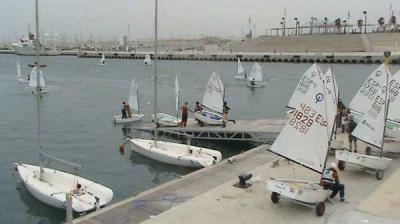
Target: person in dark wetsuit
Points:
(185, 110)
(123, 111)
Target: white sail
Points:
(147, 59)
(177, 92)
(240, 68)
(19, 71)
(365, 96)
(394, 98)
(214, 94)
(372, 125)
(305, 138)
(331, 91)
(133, 97)
(103, 59)
(307, 81)
(33, 78)
(256, 73)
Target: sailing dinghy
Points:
(167, 120)
(52, 186)
(102, 60)
(240, 71)
(371, 130)
(169, 152)
(304, 140)
(133, 102)
(19, 75)
(213, 102)
(255, 79)
(34, 80)
(147, 60)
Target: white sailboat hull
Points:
(299, 190)
(361, 160)
(135, 118)
(166, 120)
(209, 117)
(56, 184)
(257, 84)
(176, 154)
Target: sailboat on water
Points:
(213, 102)
(133, 102)
(102, 60)
(52, 186)
(147, 60)
(36, 81)
(19, 75)
(240, 71)
(305, 140)
(167, 120)
(255, 79)
(169, 152)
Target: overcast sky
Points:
(108, 19)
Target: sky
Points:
(109, 19)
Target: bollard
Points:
(121, 149)
(68, 209)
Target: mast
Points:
(387, 55)
(155, 73)
(326, 115)
(37, 65)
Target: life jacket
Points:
(327, 177)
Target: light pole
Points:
(325, 23)
(365, 21)
(344, 21)
(295, 20)
(284, 26)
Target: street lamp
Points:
(325, 23)
(365, 21)
(284, 26)
(295, 20)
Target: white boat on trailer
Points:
(167, 120)
(133, 102)
(305, 140)
(255, 79)
(241, 75)
(170, 152)
(371, 130)
(213, 102)
(54, 187)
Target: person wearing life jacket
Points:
(330, 180)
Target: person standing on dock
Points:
(225, 111)
(350, 127)
(123, 111)
(185, 110)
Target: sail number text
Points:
(304, 117)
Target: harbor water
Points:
(77, 125)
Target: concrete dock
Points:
(263, 130)
(207, 195)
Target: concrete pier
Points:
(207, 196)
(288, 57)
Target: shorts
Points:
(184, 117)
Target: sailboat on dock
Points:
(52, 186)
(167, 120)
(169, 152)
(213, 102)
(305, 140)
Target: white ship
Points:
(26, 46)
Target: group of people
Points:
(345, 121)
(126, 110)
(198, 108)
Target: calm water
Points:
(76, 119)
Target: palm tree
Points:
(360, 24)
(381, 22)
(338, 24)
